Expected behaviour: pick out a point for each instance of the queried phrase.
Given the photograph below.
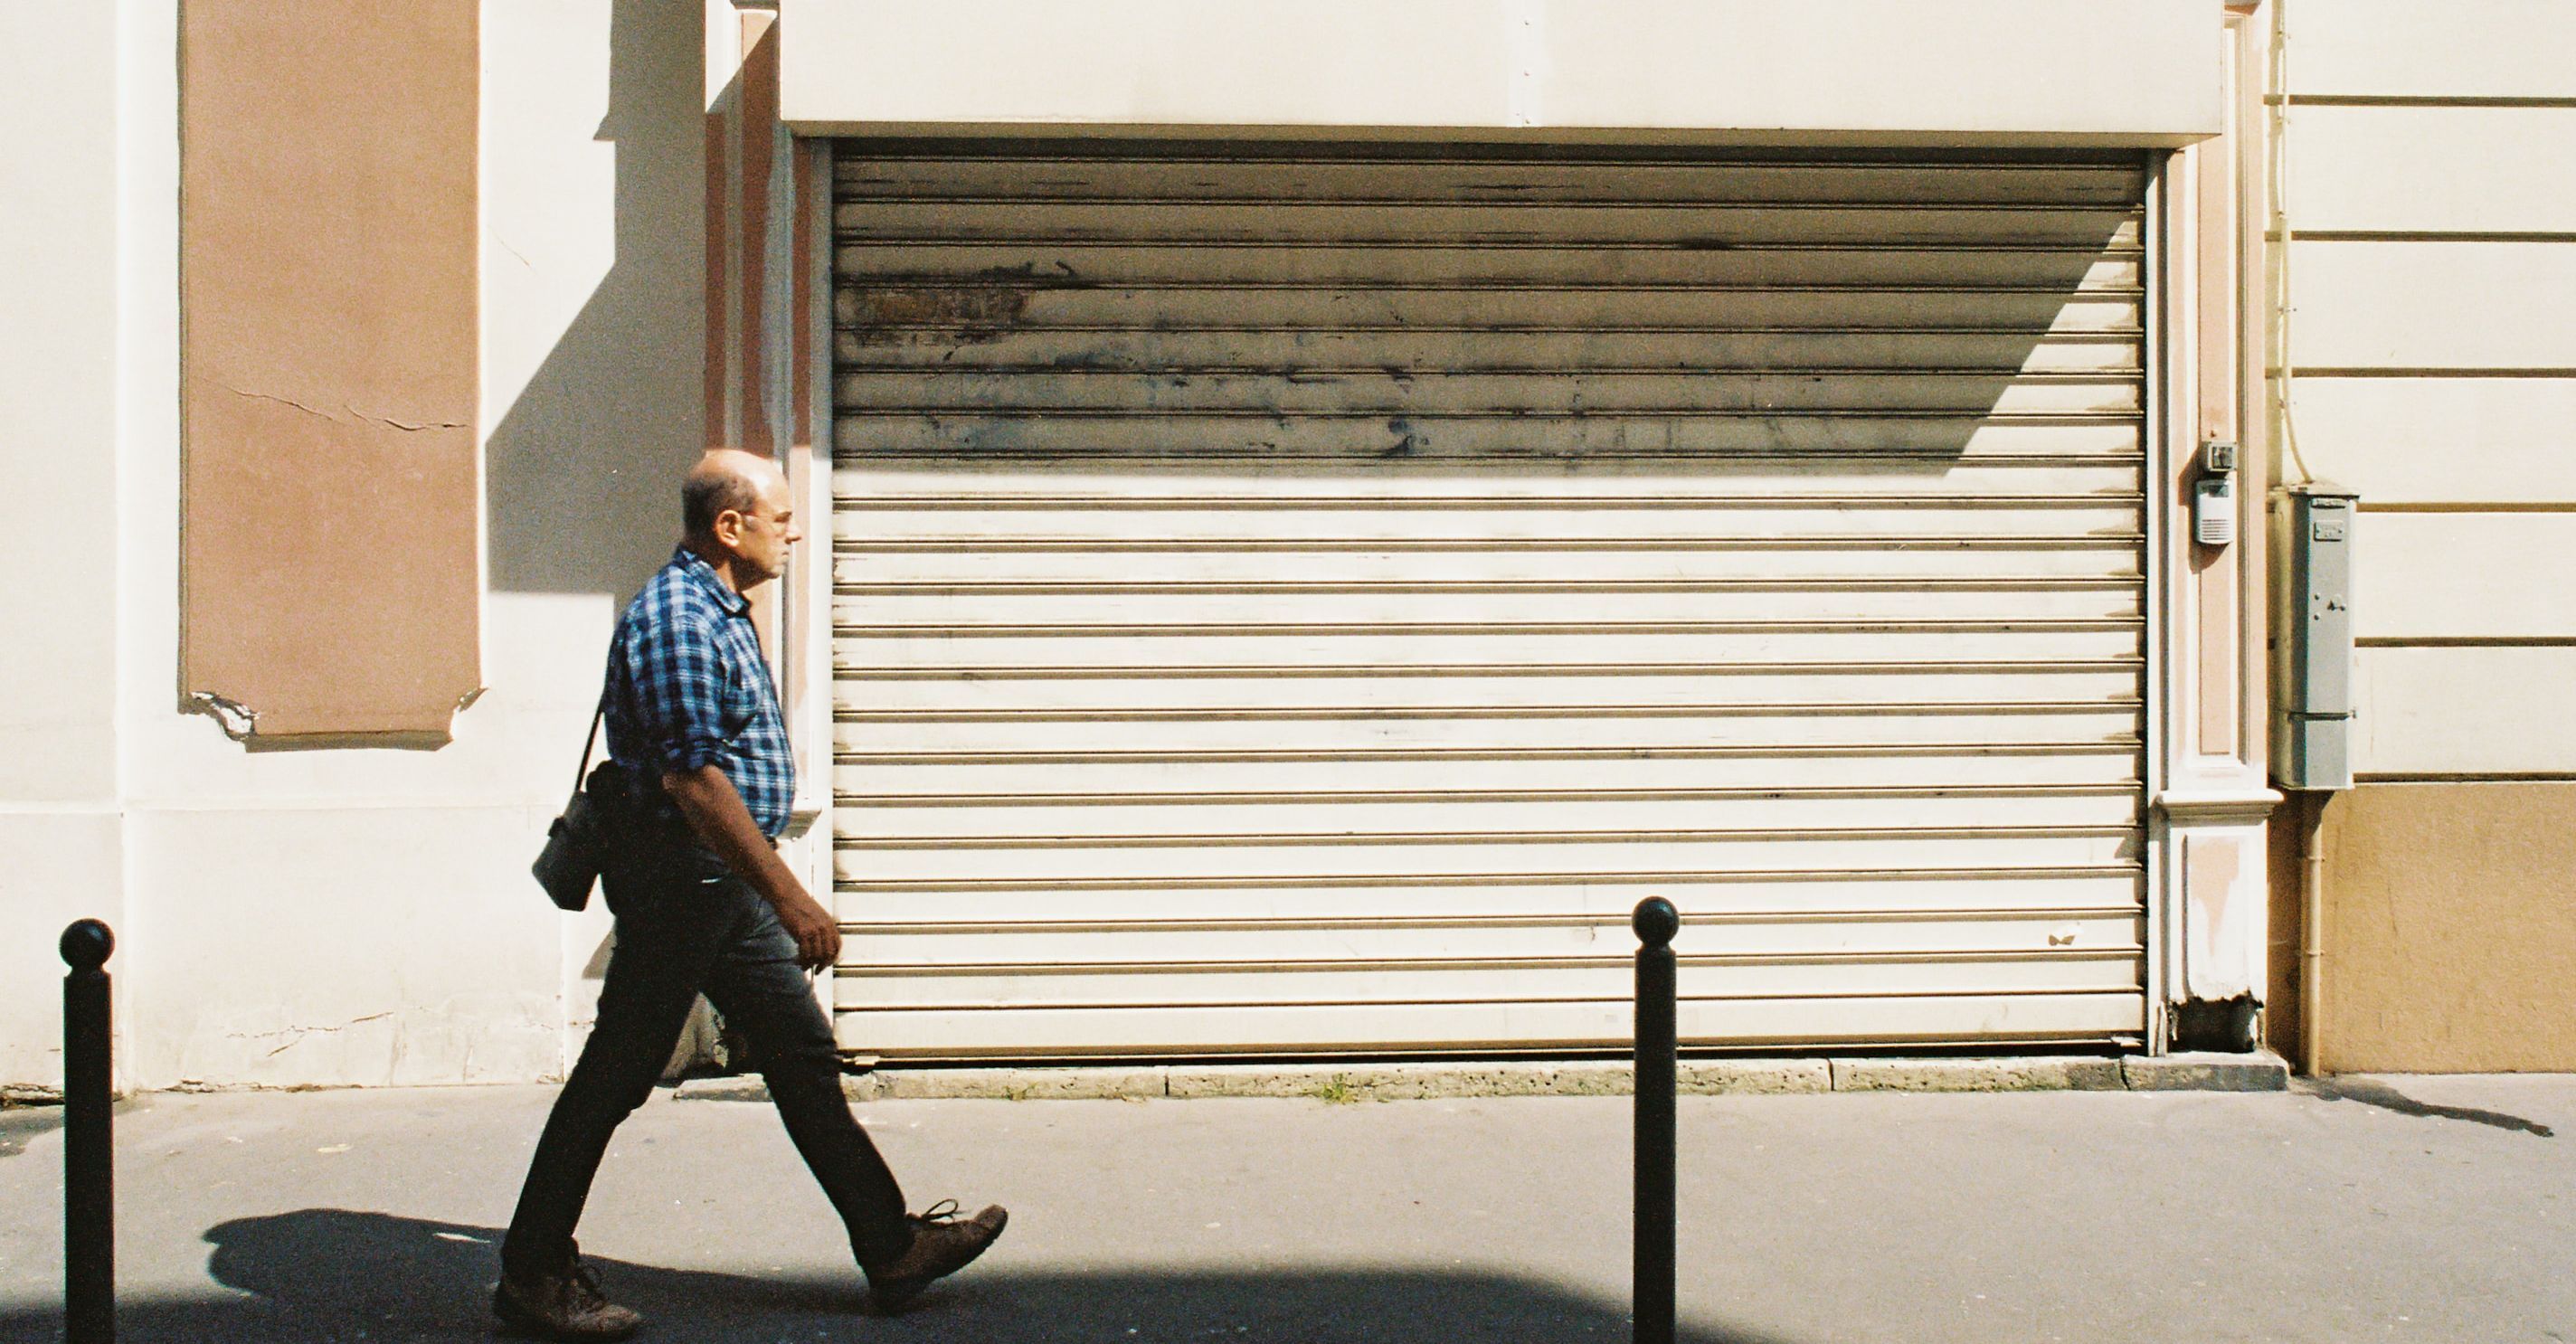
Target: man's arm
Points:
(716, 812)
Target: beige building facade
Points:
(1312, 539)
(2424, 358)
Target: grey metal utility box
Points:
(2312, 694)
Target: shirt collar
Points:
(695, 567)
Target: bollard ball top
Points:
(1656, 921)
(86, 945)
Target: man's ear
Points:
(728, 527)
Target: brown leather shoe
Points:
(568, 1305)
(942, 1244)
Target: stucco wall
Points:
(364, 915)
(2433, 268)
(2450, 928)
(58, 425)
(352, 915)
(2429, 281)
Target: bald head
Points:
(739, 517)
(725, 480)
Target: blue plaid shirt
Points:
(688, 687)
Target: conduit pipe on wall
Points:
(2277, 297)
(2312, 931)
(2312, 806)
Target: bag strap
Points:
(588, 743)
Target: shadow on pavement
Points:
(2387, 1098)
(336, 1275)
(21, 1123)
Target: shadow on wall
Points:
(333, 1274)
(581, 475)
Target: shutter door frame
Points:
(1764, 1021)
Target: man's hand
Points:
(715, 811)
(818, 939)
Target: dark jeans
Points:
(687, 925)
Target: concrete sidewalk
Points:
(2438, 1209)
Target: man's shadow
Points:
(338, 1274)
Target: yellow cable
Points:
(2279, 176)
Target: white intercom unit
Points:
(2213, 496)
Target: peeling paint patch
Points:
(238, 720)
(1408, 440)
(975, 315)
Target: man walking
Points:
(704, 904)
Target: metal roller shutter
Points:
(1298, 601)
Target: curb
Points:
(1978, 1075)
(1336, 1083)
(2208, 1072)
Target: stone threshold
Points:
(1332, 1083)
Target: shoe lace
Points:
(582, 1286)
(945, 1211)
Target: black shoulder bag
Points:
(577, 843)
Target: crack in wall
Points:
(297, 1034)
(352, 415)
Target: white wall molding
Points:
(2144, 72)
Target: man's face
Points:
(759, 538)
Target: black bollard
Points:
(1656, 921)
(89, 1166)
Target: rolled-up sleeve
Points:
(679, 679)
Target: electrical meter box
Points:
(2312, 693)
